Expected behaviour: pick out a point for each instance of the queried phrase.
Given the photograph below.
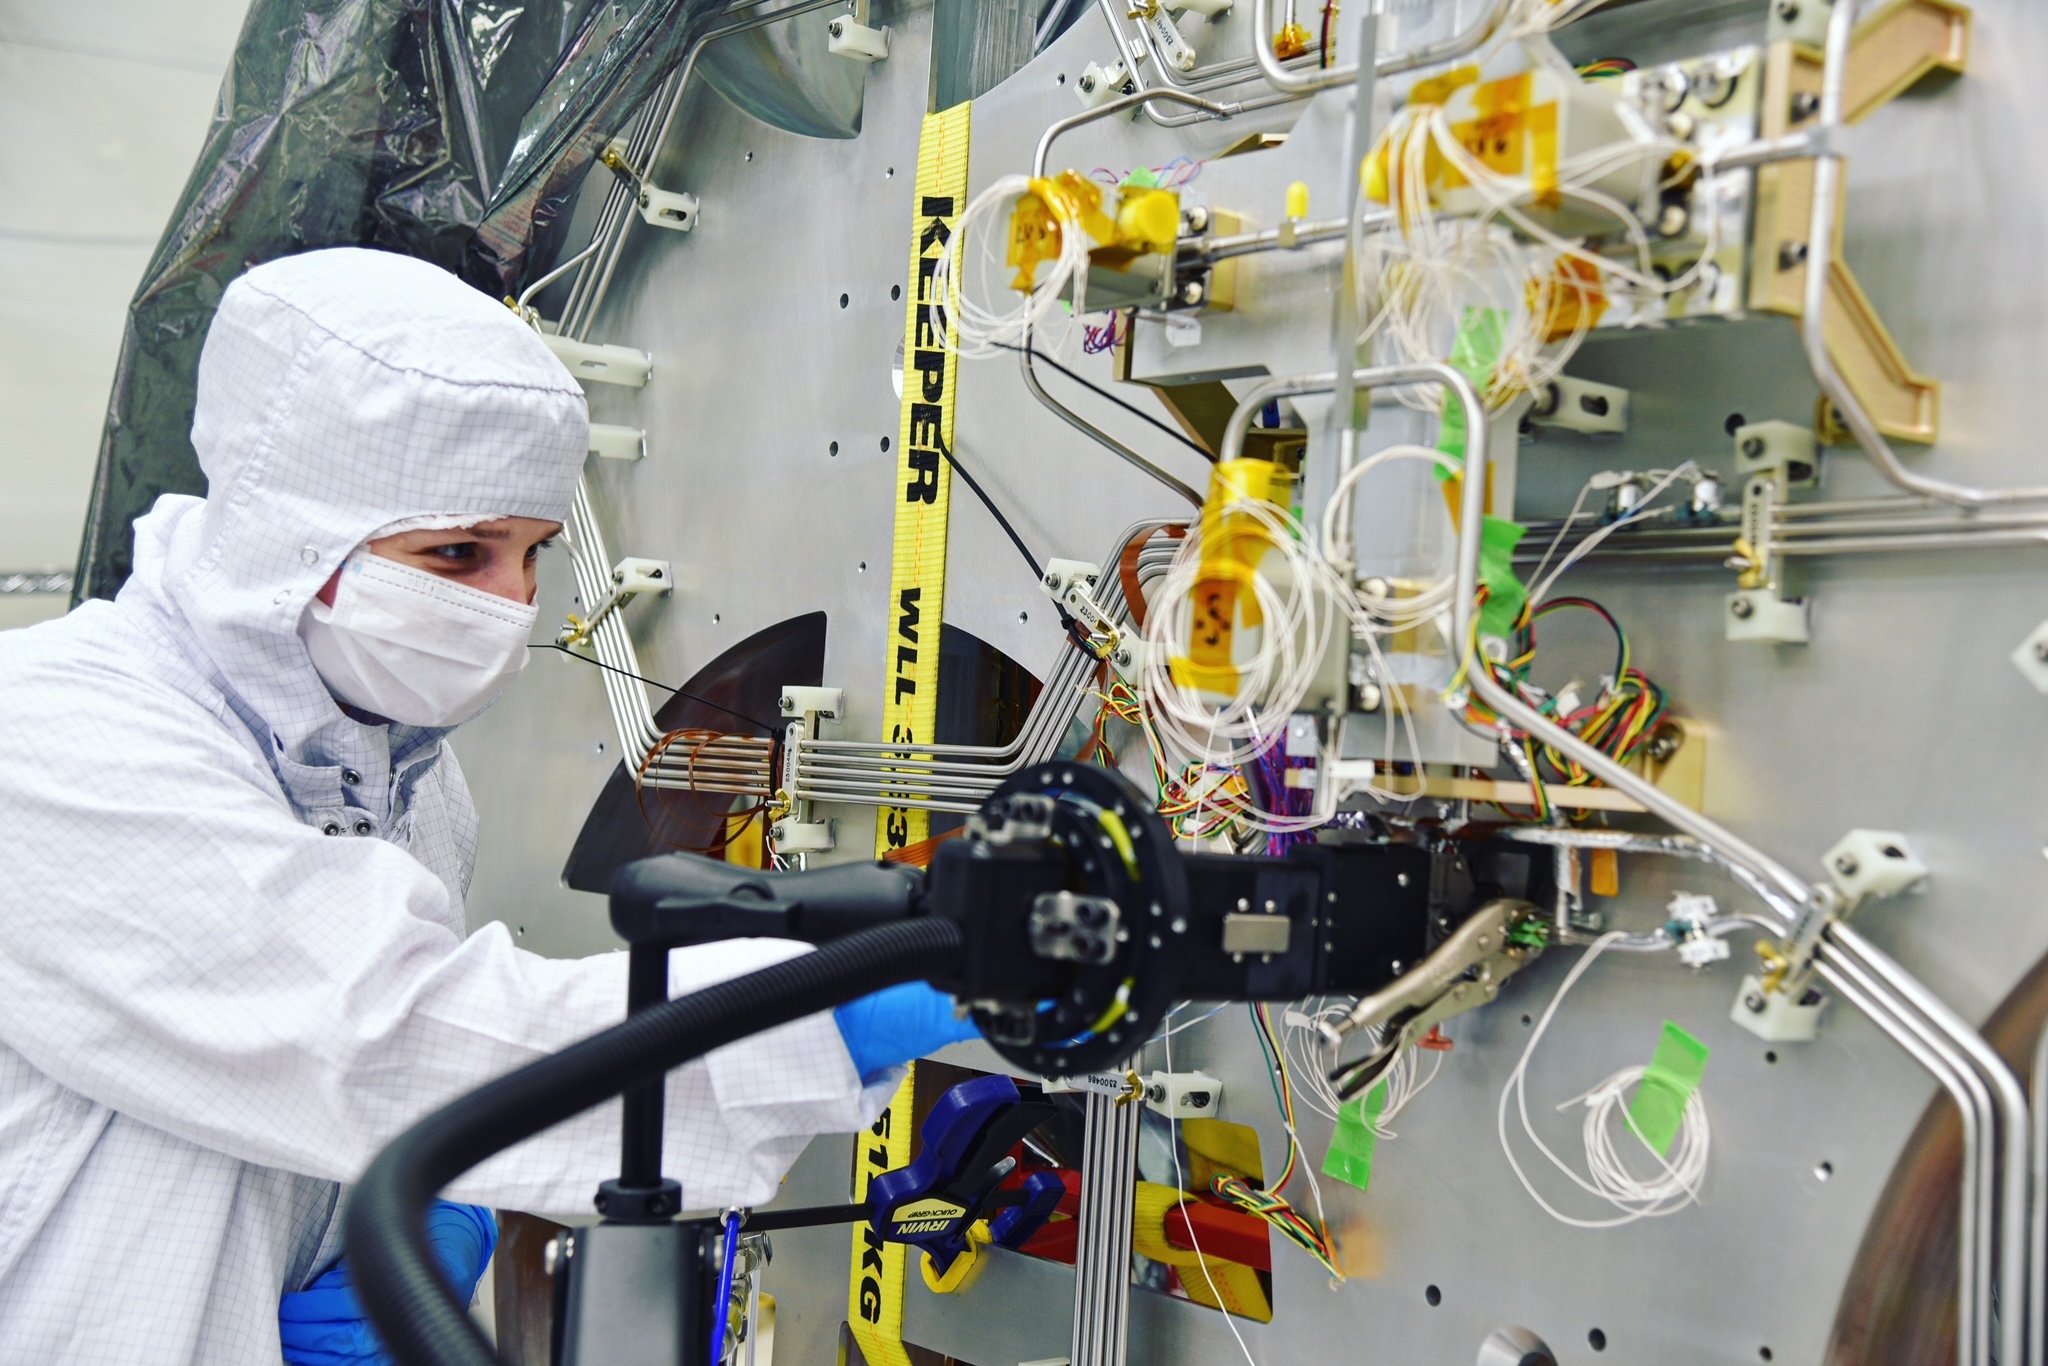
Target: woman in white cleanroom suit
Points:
(232, 952)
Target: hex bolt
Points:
(1743, 609)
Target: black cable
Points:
(1037, 572)
(1178, 435)
(418, 1315)
(772, 729)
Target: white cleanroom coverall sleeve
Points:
(199, 960)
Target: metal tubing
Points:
(2015, 1217)
(1472, 514)
(616, 219)
(1820, 250)
(1972, 1308)
(2037, 1303)
(1213, 249)
(1393, 64)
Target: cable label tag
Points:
(874, 1288)
(917, 575)
(1667, 1087)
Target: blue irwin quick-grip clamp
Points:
(955, 1181)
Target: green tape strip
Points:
(1476, 352)
(1505, 595)
(1673, 1075)
(1353, 1145)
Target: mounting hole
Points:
(861, 568)
(1060, 79)
(885, 443)
(889, 174)
(834, 448)
(747, 156)
(1823, 1171)
(1597, 1340)
(1528, 1020)
(522, 931)
(1731, 425)
(1433, 1295)
(1023, 617)
(1763, 1354)
(716, 618)
(895, 291)
(1770, 1055)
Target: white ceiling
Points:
(105, 103)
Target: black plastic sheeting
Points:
(457, 131)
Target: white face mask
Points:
(414, 647)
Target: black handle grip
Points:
(680, 899)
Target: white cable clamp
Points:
(856, 41)
(630, 578)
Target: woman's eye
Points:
(461, 550)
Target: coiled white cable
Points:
(1298, 596)
(983, 331)
(1671, 1188)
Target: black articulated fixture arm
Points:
(1065, 917)
(418, 1314)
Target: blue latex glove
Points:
(899, 1025)
(324, 1324)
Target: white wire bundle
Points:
(1543, 582)
(1311, 1059)
(1298, 597)
(1420, 272)
(1671, 1188)
(983, 330)
(1376, 615)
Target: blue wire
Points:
(720, 1308)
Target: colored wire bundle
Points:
(1620, 722)
(1671, 1187)
(1275, 1210)
(1310, 1234)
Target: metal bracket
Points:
(672, 209)
(846, 37)
(630, 578)
(800, 831)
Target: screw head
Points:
(1805, 104)
(1671, 220)
(1753, 447)
(2041, 650)
(1754, 1003)
(838, 26)
(1742, 608)
(1192, 293)
(1788, 10)
(1846, 865)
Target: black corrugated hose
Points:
(419, 1316)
